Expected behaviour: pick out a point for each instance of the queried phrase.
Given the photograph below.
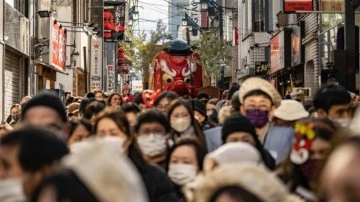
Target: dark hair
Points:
(203, 95)
(67, 186)
(38, 147)
(94, 107)
(235, 101)
(131, 107)
(138, 98)
(195, 144)
(329, 95)
(84, 103)
(69, 100)
(170, 95)
(152, 116)
(198, 132)
(258, 92)
(111, 96)
(15, 106)
(134, 152)
(76, 99)
(233, 88)
(73, 124)
(224, 94)
(66, 93)
(236, 193)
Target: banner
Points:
(57, 45)
(96, 64)
(332, 5)
(136, 85)
(291, 6)
(110, 81)
(262, 68)
(114, 22)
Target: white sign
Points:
(96, 63)
(136, 85)
(110, 80)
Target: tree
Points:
(141, 51)
(213, 52)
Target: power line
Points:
(152, 4)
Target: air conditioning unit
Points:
(305, 91)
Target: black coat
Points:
(158, 185)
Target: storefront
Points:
(46, 75)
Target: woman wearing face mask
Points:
(185, 162)
(14, 116)
(314, 139)
(152, 134)
(113, 122)
(182, 121)
(79, 130)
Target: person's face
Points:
(320, 149)
(115, 101)
(240, 137)
(107, 127)
(126, 92)
(163, 105)
(185, 155)
(180, 112)
(67, 96)
(210, 108)
(9, 165)
(99, 96)
(43, 116)
(132, 118)
(15, 111)
(339, 112)
(153, 127)
(199, 117)
(80, 133)
(256, 102)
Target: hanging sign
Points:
(290, 6)
(96, 64)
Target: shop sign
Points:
(136, 85)
(262, 68)
(332, 5)
(280, 51)
(96, 63)
(57, 45)
(114, 21)
(110, 81)
(296, 46)
(290, 6)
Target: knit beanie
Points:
(237, 123)
(46, 99)
(199, 107)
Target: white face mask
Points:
(342, 122)
(180, 124)
(114, 144)
(182, 174)
(11, 190)
(152, 144)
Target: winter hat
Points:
(235, 152)
(237, 123)
(268, 187)
(109, 175)
(291, 110)
(46, 99)
(73, 108)
(199, 107)
(256, 83)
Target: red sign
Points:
(235, 36)
(298, 5)
(57, 45)
(114, 22)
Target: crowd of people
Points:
(250, 146)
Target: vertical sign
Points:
(296, 46)
(276, 59)
(57, 46)
(297, 5)
(96, 63)
(110, 81)
(114, 21)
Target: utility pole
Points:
(351, 56)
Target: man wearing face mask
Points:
(27, 156)
(152, 132)
(332, 101)
(258, 101)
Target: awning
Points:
(56, 69)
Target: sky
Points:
(150, 11)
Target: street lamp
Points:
(44, 13)
(204, 5)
